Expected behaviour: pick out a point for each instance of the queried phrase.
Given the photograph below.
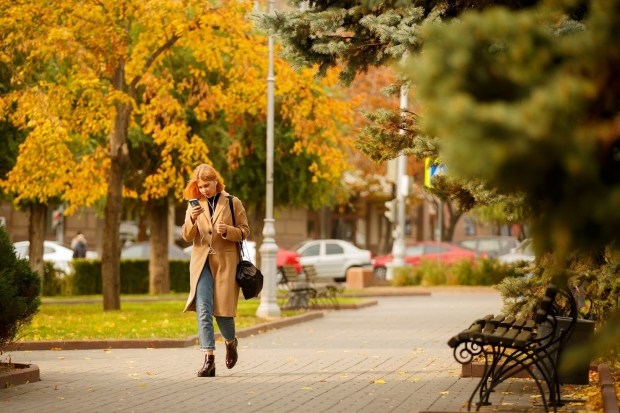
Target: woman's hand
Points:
(196, 211)
(221, 228)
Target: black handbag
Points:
(249, 278)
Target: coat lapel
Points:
(222, 202)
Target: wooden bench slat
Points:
(507, 322)
(497, 319)
(523, 339)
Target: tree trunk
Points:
(36, 234)
(159, 269)
(324, 222)
(119, 156)
(453, 217)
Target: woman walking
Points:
(213, 287)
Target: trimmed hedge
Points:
(86, 277)
(483, 271)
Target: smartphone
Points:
(194, 202)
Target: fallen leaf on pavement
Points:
(249, 392)
(90, 389)
(380, 381)
(141, 384)
(150, 373)
(55, 387)
(306, 388)
(414, 380)
(402, 372)
(86, 358)
(56, 349)
(443, 392)
(61, 358)
(133, 374)
(60, 398)
(507, 392)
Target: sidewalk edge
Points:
(156, 342)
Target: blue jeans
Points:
(204, 313)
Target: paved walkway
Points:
(391, 357)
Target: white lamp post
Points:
(268, 305)
(402, 182)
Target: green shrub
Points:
(403, 276)
(53, 280)
(433, 273)
(484, 271)
(86, 279)
(20, 287)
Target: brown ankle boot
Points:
(231, 353)
(208, 370)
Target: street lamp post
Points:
(402, 182)
(268, 305)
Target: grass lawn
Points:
(156, 319)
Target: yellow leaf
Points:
(380, 381)
(306, 388)
(443, 392)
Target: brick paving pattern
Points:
(391, 357)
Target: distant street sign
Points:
(432, 169)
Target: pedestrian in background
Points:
(213, 286)
(79, 245)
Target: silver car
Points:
(332, 257)
(522, 252)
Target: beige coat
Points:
(223, 263)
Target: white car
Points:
(332, 257)
(522, 252)
(54, 252)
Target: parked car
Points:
(332, 257)
(142, 250)
(424, 250)
(522, 252)
(54, 252)
(491, 246)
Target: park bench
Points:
(511, 345)
(298, 291)
(321, 292)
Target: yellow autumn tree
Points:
(108, 67)
(105, 52)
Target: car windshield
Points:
(297, 246)
(414, 250)
(527, 247)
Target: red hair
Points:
(202, 172)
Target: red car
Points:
(288, 257)
(424, 250)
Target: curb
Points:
(353, 306)
(386, 294)
(26, 373)
(156, 342)
(608, 392)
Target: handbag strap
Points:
(232, 212)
